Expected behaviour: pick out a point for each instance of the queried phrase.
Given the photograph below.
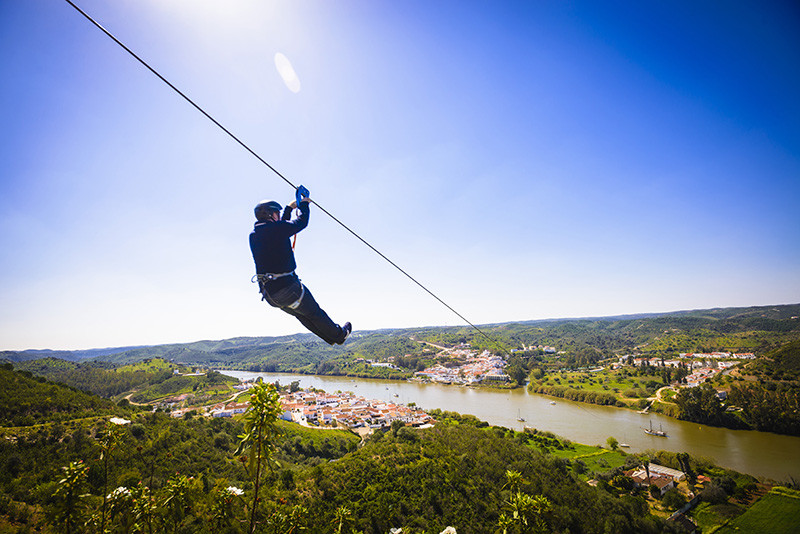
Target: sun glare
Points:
(287, 72)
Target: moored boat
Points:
(653, 432)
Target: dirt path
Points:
(131, 394)
(440, 347)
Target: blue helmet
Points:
(264, 207)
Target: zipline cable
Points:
(273, 169)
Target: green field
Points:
(618, 382)
(149, 365)
(596, 458)
(777, 512)
(317, 435)
(709, 516)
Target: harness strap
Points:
(296, 303)
(269, 277)
(262, 280)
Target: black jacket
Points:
(270, 243)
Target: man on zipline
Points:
(275, 265)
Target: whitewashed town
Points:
(703, 366)
(346, 410)
(320, 409)
(479, 368)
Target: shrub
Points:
(714, 494)
(673, 499)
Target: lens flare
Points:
(287, 72)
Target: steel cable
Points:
(281, 176)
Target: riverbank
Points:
(642, 389)
(589, 389)
(758, 453)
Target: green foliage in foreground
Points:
(155, 455)
(455, 474)
(260, 435)
(183, 476)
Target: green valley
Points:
(460, 473)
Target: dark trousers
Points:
(295, 299)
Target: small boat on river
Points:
(653, 432)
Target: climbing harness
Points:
(298, 190)
(262, 280)
(295, 304)
(269, 277)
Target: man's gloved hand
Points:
(293, 205)
(302, 195)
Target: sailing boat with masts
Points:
(653, 432)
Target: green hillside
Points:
(27, 400)
(102, 378)
(184, 475)
(418, 480)
(764, 393)
(581, 342)
(780, 364)
(767, 391)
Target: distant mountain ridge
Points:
(689, 330)
(71, 355)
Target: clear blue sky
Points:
(523, 160)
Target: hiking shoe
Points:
(346, 329)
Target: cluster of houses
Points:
(317, 408)
(480, 368)
(228, 410)
(543, 348)
(702, 366)
(660, 362)
(665, 479)
(653, 362)
(719, 355)
(700, 375)
(217, 410)
(348, 410)
(661, 477)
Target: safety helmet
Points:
(264, 207)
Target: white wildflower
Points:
(233, 490)
(449, 530)
(119, 493)
(118, 421)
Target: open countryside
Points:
(595, 415)
(411, 267)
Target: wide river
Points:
(761, 454)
